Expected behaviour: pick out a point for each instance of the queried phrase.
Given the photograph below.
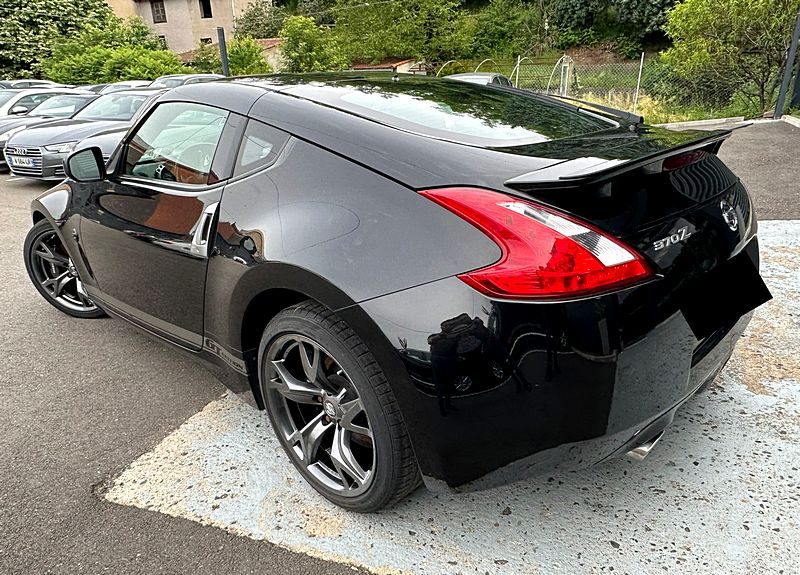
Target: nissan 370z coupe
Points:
(418, 279)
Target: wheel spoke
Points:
(56, 285)
(292, 388)
(310, 363)
(46, 253)
(350, 410)
(344, 461)
(309, 437)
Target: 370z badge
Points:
(678, 235)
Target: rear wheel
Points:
(52, 272)
(333, 410)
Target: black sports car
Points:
(418, 279)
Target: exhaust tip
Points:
(641, 451)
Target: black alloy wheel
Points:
(333, 411)
(53, 273)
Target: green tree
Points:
(29, 29)
(507, 28)
(431, 30)
(264, 18)
(308, 47)
(731, 45)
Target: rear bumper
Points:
(496, 391)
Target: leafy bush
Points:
(118, 51)
(310, 48)
(261, 20)
(571, 37)
(245, 57)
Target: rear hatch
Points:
(668, 195)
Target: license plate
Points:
(21, 162)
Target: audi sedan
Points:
(419, 279)
(39, 152)
(57, 107)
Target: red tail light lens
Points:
(545, 254)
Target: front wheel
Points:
(333, 410)
(53, 274)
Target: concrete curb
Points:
(702, 123)
(794, 121)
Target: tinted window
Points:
(33, 100)
(119, 107)
(260, 147)
(456, 111)
(176, 143)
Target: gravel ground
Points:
(80, 401)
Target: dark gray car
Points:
(39, 152)
(57, 107)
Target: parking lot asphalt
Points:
(81, 400)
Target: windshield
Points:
(60, 106)
(120, 107)
(6, 95)
(168, 83)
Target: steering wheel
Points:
(194, 163)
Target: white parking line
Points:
(718, 495)
(14, 179)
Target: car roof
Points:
(144, 91)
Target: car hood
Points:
(65, 131)
(107, 142)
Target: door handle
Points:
(202, 232)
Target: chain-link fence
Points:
(642, 86)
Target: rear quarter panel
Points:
(322, 225)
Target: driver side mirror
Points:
(86, 165)
(19, 110)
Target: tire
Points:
(45, 261)
(334, 457)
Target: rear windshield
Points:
(457, 111)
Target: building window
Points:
(205, 8)
(159, 12)
(205, 40)
(163, 40)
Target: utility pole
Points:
(788, 69)
(223, 51)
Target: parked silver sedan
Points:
(39, 152)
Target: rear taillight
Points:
(545, 254)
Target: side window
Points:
(260, 147)
(176, 143)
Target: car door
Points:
(145, 231)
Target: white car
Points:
(18, 102)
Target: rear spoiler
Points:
(583, 171)
(629, 117)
